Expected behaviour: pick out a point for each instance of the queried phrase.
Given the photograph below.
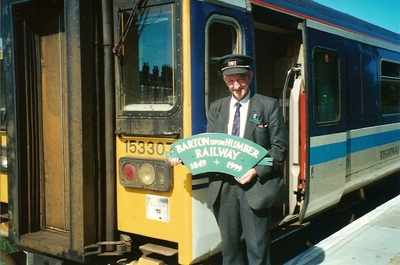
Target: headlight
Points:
(147, 174)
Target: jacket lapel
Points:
(223, 116)
(255, 112)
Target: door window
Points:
(326, 86)
(223, 36)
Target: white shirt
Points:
(243, 113)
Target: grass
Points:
(6, 246)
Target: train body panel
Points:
(3, 188)
(115, 83)
(338, 157)
(3, 168)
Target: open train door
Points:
(294, 114)
(54, 155)
(327, 118)
(279, 57)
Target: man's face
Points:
(238, 84)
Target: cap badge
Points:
(232, 63)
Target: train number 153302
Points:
(146, 147)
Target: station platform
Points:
(373, 239)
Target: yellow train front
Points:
(155, 107)
(158, 202)
(95, 92)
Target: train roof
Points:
(309, 9)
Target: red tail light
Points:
(128, 171)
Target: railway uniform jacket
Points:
(273, 137)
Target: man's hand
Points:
(247, 177)
(174, 161)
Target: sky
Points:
(383, 13)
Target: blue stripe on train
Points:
(325, 153)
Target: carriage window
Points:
(223, 36)
(390, 87)
(148, 68)
(326, 86)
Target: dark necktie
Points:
(236, 120)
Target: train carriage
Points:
(95, 92)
